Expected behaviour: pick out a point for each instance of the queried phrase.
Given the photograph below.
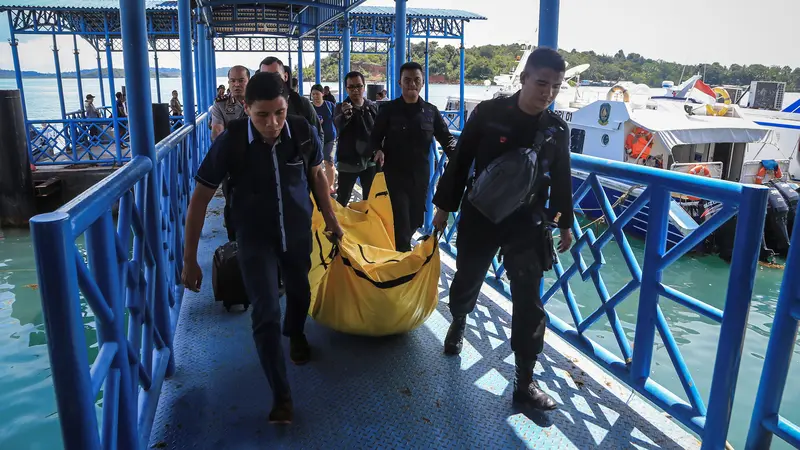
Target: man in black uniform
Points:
(402, 137)
(275, 161)
(298, 105)
(497, 126)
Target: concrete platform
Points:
(395, 392)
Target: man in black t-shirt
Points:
(495, 127)
(275, 161)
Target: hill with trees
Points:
(487, 61)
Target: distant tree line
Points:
(487, 61)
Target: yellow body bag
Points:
(362, 285)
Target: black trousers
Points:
(408, 207)
(478, 241)
(260, 259)
(347, 180)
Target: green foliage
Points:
(487, 61)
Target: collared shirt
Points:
(224, 111)
(273, 179)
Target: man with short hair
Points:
(230, 108)
(496, 129)
(276, 160)
(354, 119)
(402, 137)
(298, 105)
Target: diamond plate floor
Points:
(396, 392)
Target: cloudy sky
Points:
(685, 31)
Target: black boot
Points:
(455, 335)
(526, 390)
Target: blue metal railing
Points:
(766, 419)
(118, 282)
(748, 203)
(77, 140)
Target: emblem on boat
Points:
(605, 113)
(605, 140)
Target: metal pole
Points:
(212, 69)
(744, 263)
(461, 118)
(317, 59)
(100, 77)
(140, 125)
(58, 79)
(158, 80)
(548, 23)
(346, 46)
(112, 88)
(18, 72)
(427, 55)
(780, 349)
(399, 41)
(199, 73)
(54, 251)
(185, 35)
(78, 70)
(300, 66)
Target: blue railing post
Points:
(212, 71)
(78, 71)
(652, 267)
(112, 88)
(189, 115)
(100, 79)
(346, 46)
(461, 109)
(140, 127)
(57, 63)
(54, 251)
(399, 41)
(300, 64)
(780, 350)
(432, 161)
(18, 74)
(746, 249)
(102, 254)
(427, 58)
(317, 58)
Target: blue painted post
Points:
(432, 159)
(548, 23)
(102, 256)
(212, 69)
(158, 78)
(317, 59)
(185, 36)
(652, 268)
(300, 66)
(134, 39)
(390, 81)
(744, 263)
(112, 88)
(427, 55)
(399, 41)
(461, 119)
(346, 45)
(100, 80)
(78, 69)
(780, 350)
(199, 73)
(18, 73)
(58, 79)
(54, 251)
(548, 26)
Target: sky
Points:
(684, 31)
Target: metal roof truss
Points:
(285, 44)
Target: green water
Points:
(27, 398)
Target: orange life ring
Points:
(699, 170)
(639, 143)
(762, 172)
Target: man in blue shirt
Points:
(275, 160)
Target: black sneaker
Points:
(282, 412)
(299, 350)
(455, 336)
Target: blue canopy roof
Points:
(417, 12)
(82, 4)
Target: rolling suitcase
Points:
(227, 278)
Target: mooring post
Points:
(17, 200)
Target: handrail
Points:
(117, 277)
(748, 202)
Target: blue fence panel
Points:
(767, 420)
(118, 282)
(710, 421)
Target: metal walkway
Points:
(398, 392)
